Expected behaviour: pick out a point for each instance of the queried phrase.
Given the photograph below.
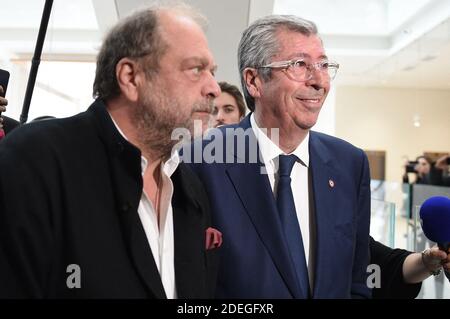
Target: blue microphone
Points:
(435, 220)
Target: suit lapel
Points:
(127, 186)
(189, 237)
(324, 176)
(255, 193)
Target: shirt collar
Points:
(270, 151)
(168, 167)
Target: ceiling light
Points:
(429, 57)
(409, 67)
(416, 120)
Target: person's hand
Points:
(434, 259)
(3, 101)
(3, 104)
(441, 163)
(446, 262)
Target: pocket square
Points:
(213, 238)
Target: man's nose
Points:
(318, 80)
(318, 75)
(211, 87)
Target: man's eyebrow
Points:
(203, 61)
(307, 56)
(300, 55)
(194, 59)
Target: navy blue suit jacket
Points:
(254, 257)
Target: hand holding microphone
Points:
(435, 220)
(434, 259)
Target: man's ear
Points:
(252, 82)
(127, 74)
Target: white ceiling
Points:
(397, 43)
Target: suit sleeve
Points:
(25, 235)
(361, 258)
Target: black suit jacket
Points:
(9, 124)
(69, 194)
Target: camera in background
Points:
(411, 167)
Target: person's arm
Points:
(419, 266)
(441, 163)
(402, 271)
(391, 261)
(435, 176)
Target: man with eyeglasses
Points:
(295, 223)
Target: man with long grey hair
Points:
(295, 222)
(97, 205)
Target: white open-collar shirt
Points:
(160, 237)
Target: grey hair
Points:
(259, 44)
(137, 37)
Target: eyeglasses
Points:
(299, 70)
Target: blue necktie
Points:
(289, 221)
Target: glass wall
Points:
(435, 287)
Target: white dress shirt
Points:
(160, 237)
(299, 184)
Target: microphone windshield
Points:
(435, 219)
